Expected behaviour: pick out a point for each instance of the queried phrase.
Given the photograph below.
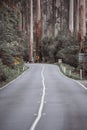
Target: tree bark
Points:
(53, 17)
(57, 14)
(61, 14)
(71, 16)
(82, 20)
(43, 19)
(38, 27)
(48, 18)
(31, 33)
(77, 18)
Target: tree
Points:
(71, 16)
(31, 34)
(82, 19)
(48, 15)
(38, 27)
(82, 24)
(76, 13)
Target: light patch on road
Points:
(42, 103)
(45, 102)
(44, 114)
(38, 102)
(35, 114)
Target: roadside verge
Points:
(9, 83)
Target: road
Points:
(43, 99)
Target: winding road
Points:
(42, 98)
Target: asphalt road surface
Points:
(43, 99)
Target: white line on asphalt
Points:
(14, 80)
(72, 79)
(41, 105)
(81, 84)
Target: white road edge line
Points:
(81, 84)
(78, 82)
(14, 80)
(42, 103)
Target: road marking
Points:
(83, 86)
(42, 103)
(7, 85)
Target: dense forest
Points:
(42, 31)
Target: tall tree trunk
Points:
(61, 14)
(71, 16)
(82, 19)
(48, 10)
(57, 14)
(28, 19)
(77, 18)
(38, 27)
(31, 33)
(54, 16)
(48, 18)
(43, 19)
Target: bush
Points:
(7, 74)
(12, 42)
(69, 55)
(63, 46)
(3, 74)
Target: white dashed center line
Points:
(41, 104)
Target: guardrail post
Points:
(81, 74)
